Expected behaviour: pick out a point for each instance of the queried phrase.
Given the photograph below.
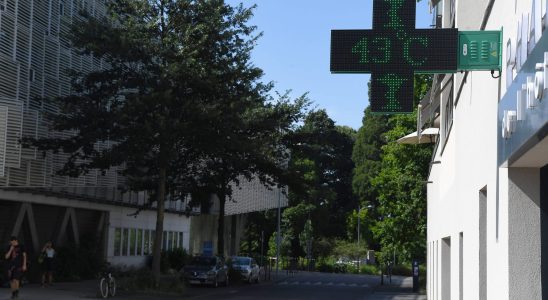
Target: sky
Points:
(294, 50)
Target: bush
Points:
(143, 280)
(73, 263)
(369, 269)
(173, 259)
(403, 270)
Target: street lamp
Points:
(359, 218)
(278, 232)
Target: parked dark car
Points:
(247, 267)
(209, 270)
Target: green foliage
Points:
(365, 224)
(285, 245)
(73, 263)
(349, 249)
(390, 178)
(139, 280)
(174, 259)
(305, 237)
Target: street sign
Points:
(480, 50)
(393, 51)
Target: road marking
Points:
(321, 283)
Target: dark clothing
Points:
(16, 258)
(15, 262)
(48, 264)
(15, 273)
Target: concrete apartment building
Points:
(488, 183)
(36, 204)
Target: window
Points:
(180, 240)
(125, 241)
(152, 240)
(117, 241)
(139, 241)
(132, 241)
(164, 241)
(448, 113)
(61, 9)
(31, 75)
(147, 245)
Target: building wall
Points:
(501, 251)
(49, 212)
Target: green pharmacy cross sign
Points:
(392, 52)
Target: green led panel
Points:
(392, 52)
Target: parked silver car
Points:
(247, 267)
(206, 270)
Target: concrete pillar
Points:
(524, 234)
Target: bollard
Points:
(415, 276)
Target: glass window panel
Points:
(132, 241)
(146, 250)
(180, 240)
(117, 241)
(125, 241)
(139, 241)
(152, 239)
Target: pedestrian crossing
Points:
(324, 283)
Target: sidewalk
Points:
(401, 288)
(59, 291)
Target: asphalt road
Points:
(301, 286)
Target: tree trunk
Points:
(157, 248)
(221, 223)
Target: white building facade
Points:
(36, 204)
(487, 188)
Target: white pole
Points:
(359, 209)
(278, 232)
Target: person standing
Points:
(48, 254)
(16, 257)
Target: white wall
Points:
(145, 220)
(468, 164)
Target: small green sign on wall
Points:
(480, 50)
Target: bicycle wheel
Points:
(103, 287)
(112, 287)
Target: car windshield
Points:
(241, 261)
(203, 261)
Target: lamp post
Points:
(278, 232)
(359, 221)
(359, 210)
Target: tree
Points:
(168, 65)
(321, 161)
(399, 185)
(248, 136)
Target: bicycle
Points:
(107, 285)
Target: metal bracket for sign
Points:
(480, 50)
